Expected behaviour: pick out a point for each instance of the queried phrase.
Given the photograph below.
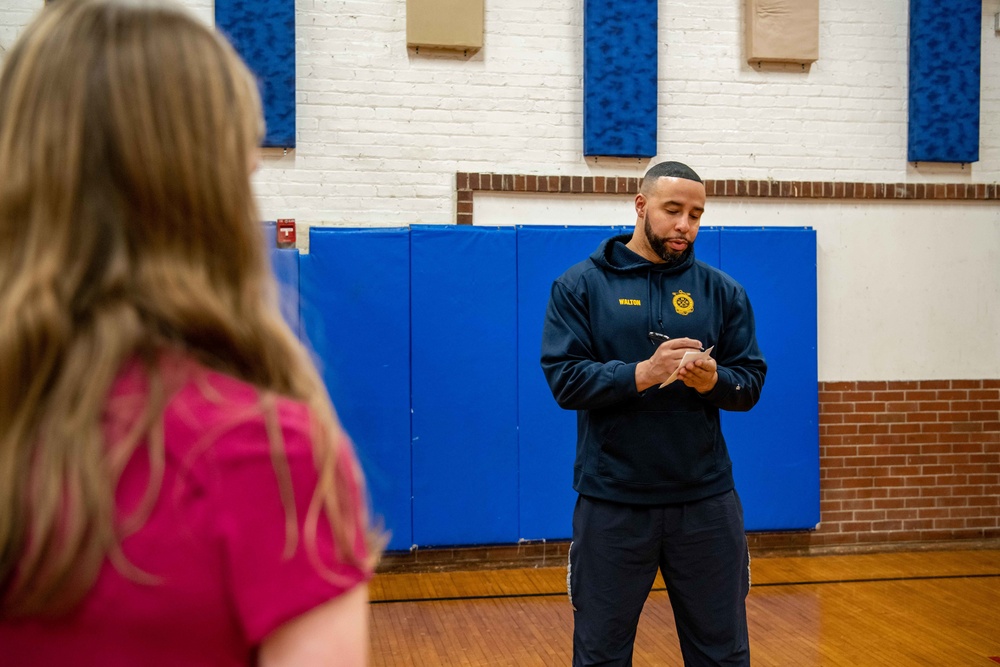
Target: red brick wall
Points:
(905, 462)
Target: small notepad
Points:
(688, 357)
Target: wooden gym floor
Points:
(928, 608)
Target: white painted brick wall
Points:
(382, 129)
(14, 14)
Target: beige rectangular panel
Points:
(444, 24)
(782, 30)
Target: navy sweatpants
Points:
(700, 548)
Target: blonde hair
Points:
(127, 227)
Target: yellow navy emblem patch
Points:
(683, 303)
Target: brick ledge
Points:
(468, 183)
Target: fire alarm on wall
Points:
(286, 232)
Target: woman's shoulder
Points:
(208, 409)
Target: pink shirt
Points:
(215, 540)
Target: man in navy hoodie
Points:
(652, 469)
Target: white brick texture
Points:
(382, 129)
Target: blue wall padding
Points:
(944, 86)
(263, 33)
(464, 361)
(546, 432)
(619, 77)
(707, 246)
(285, 262)
(775, 446)
(429, 342)
(356, 314)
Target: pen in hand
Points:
(656, 338)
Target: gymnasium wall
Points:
(383, 129)
(914, 459)
(431, 356)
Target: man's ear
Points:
(640, 204)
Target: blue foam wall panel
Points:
(707, 246)
(355, 306)
(775, 446)
(619, 77)
(464, 361)
(546, 432)
(945, 38)
(263, 33)
(490, 456)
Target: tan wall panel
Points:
(782, 30)
(444, 24)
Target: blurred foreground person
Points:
(174, 486)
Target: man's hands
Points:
(700, 375)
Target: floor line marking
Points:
(656, 589)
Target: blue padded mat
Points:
(464, 385)
(546, 432)
(944, 75)
(775, 446)
(619, 77)
(488, 455)
(707, 246)
(263, 33)
(777, 441)
(356, 314)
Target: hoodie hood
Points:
(612, 254)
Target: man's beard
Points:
(659, 245)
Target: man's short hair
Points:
(668, 170)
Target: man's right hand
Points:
(663, 362)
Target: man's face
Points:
(671, 215)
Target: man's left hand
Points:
(701, 375)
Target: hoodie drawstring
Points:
(649, 300)
(659, 305)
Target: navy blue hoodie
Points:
(658, 446)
